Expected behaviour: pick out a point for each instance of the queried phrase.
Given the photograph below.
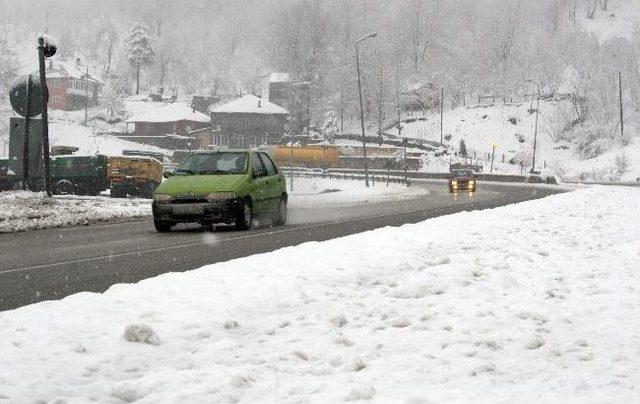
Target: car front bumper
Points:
(203, 212)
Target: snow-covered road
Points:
(535, 302)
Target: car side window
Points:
(258, 167)
(268, 163)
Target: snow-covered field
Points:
(21, 211)
(24, 210)
(535, 302)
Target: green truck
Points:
(80, 175)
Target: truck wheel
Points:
(64, 187)
(162, 227)
(117, 192)
(281, 214)
(244, 218)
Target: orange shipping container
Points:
(308, 156)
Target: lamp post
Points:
(364, 141)
(291, 113)
(493, 154)
(535, 133)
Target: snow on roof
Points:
(66, 68)
(279, 78)
(250, 104)
(174, 112)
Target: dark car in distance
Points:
(462, 179)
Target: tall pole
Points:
(441, 112)
(45, 118)
(291, 142)
(364, 141)
(86, 103)
(535, 134)
(620, 98)
(493, 154)
(25, 144)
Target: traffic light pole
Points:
(45, 118)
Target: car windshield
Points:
(461, 173)
(214, 163)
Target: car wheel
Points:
(244, 218)
(64, 187)
(162, 227)
(281, 215)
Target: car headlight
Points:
(162, 198)
(220, 196)
(471, 183)
(454, 183)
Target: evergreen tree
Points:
(330, 126)
(140, 50)
(463, 148)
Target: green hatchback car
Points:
(222, 186)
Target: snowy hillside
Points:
(511, 128)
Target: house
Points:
(71, 85)
(279, 89)
(248, 121)
(170, 126)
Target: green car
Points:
(226, 186)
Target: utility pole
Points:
(86, 103)
(404, 143)
(364, 139)
(441, 112)
(291, 142)
(493, 154)
(620, 98)
(535, 132)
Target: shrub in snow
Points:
(141, 333)
(231, 324)
(361, 393)
(358, 364)
(339, 321)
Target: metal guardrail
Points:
(381, 175)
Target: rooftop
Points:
(59, 68)
(250, 104)
(173, 112)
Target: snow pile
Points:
(24, 210)
(524, 303)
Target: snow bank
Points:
(330, 192)
(24, 210)
(535, 302)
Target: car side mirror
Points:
(167, 174)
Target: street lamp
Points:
(291, 113)
(364, 142)
(535, 133)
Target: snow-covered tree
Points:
(463, 148)
(330, 126)
(8, 66)
(111, 99)
(140, 49)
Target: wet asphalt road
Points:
(53, 263)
